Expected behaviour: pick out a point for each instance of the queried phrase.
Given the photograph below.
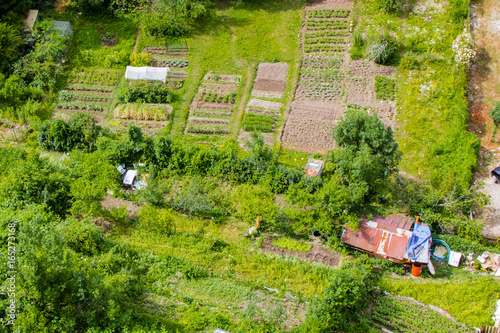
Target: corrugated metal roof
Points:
(384, 236)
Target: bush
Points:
(140, 59)
(381, 50)
(390, 6)
(495, 114)
(342, 306)
(157, 219)
(161, 26)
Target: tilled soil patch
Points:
(317, 253)
(329, 4)
(369, 68)
(271, 77)
(310, 124)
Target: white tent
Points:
(147, 73)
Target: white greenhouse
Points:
(147, 73)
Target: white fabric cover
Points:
(147, 73)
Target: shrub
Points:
(161, 26)
(157, 219)
(381, 50)
(495, 114)
(140, 59)
(341, 307)
(384, 87)
(390, 6)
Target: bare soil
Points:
(271, 77)
(310, 123)
(109, 42)
(246, 136)
(317, 253)
(269, 105)
(484, 92)
(111, 202)
(267, 94)
(327, 4)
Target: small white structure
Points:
(147, 73)
(129, 178)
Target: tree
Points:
(369, 152)
(344, 301)
(9, 7)
(10, 43)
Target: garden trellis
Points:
(147, 73)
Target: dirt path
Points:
(137, 39)
(484, 93)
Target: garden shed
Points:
(384, 236)
(63, 27)
(147, 73)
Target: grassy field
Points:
(233, 41)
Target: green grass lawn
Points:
(233, 41)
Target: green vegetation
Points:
(169, 254)
(384, 87)
(469, 300)
(257, 122)
(292, 245)
(404, 316)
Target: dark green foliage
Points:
(390, 6)
(458, 10)
(384, 87)
(10, 43)
(80, 132)
(259, 123)
(495, 114)
(94, 7)
(161, 26)
(146, 92)
(12, 10)
(370, 153)
(34, 181)
(341, 307)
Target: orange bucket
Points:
(416, 269)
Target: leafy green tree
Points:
(369, 152)
(16, 7)
(35, 181)
(341, 307)
(260, 152)
(10, 43)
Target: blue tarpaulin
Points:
(418, 242)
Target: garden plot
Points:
(372, 87)
(175, 79)
(148, 127)
(326, 30)
(310, 123)
(156, 112)
(173, 50)
(271, 80)
(328, 4)
(261, 116)
(90, 91)
(212, 107)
